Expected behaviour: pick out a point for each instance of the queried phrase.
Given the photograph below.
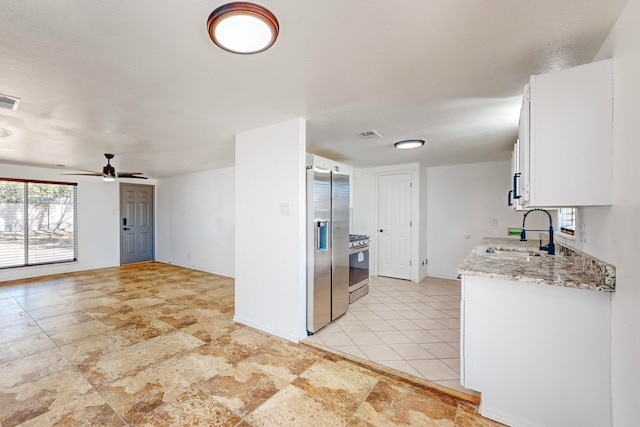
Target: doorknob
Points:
(381, 230)
(126, 228)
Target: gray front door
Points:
(136, 223)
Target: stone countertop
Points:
(523, 261)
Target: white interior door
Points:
(394, 226)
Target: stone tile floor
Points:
(410, 327)
(155, 345)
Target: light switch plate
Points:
(285, 209)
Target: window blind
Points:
(37, 222)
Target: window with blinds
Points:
(567, 220)
(37, 222)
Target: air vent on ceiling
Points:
(10, 102)
(370, 134)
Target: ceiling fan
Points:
(109, 173)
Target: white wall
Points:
(365, 211)
(270, 247)
(424, 224)
(195, 225)
(612, 232)
(363, 195)
(98, 222)
(463, 203)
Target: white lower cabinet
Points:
(538, 354)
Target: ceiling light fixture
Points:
(109, 172)
(409, 144)
(243, 27)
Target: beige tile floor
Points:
(411, 327)
(155, 345)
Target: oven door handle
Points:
(357, 250)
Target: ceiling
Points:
(142, 79)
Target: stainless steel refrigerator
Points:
(327, 247)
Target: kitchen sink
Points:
(513, 252)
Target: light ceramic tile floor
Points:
(156, 345)
(411, 327)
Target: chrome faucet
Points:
(551, 247)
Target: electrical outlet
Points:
(582, 232)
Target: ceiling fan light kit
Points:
(108, 172)
(243, 27)
(408, 144)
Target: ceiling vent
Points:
(9, 102)
(370, 134)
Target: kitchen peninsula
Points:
(535, 337)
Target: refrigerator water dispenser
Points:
(322, 235)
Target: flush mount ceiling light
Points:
(243, 27)
(409, 144)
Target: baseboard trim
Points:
(264, 328)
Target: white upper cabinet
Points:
(328, 164)
(332, 165)
(566, 138)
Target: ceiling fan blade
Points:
(131, 175)
(74, 169)
(83, 174)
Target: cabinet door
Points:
(330, 165)
(571, 137)
(523, 149)
(463, 349)
(323, 163)
(525, 336)
(319, 161)
(342, 168)
(515, 195)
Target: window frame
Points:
(26, 220)
(566, 226)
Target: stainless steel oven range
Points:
(358, 266)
